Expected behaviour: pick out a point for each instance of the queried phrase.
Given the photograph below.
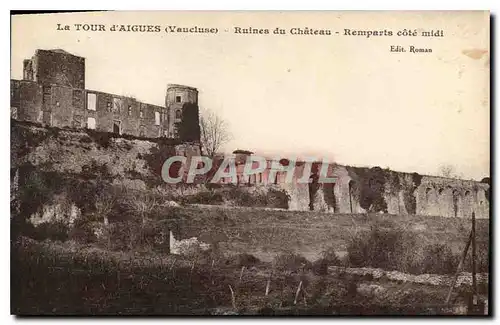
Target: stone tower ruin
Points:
(177, 96)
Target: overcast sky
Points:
(346, 98)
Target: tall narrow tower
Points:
(177, 96)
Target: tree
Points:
(104, 206)
(214, 132)
(448, 171)
(143, 204)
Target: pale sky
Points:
(346, 98)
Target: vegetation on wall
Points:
(370, 184)
(155, 160)
(393, 181)
(486, 180)
(36, 188)
(240, 196)
(409, 198)
(313, 189)
(370, 187)
(189, 127)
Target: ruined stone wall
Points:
(62, 106)
(405, 193)
(356, 190)
(452, 197)
(57, 67)
(176, 97)
(53, 93)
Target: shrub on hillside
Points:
(96, 170)
(278, 198)
(438, 259)
(482, 257)
(203, 197)
(387, 248)
(330, 256)
(291, 262)
(242, 259)
(82, 233)
(242, 197)
(133, 235)
(51, 230)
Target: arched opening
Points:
(329, 192)
(428, 194)
(313, 189)
(455, 197)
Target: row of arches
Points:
(445, 201)
(452, 202)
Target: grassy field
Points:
(264, 233)
(53, 279)
(257, 262)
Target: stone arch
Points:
(468, 203)
(455, 201)
(431, 201)
(313, 189)
(468, 197)
(330, 196)
(428, 193)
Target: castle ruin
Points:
(52, 93)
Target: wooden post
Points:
(268, 285)
(464, 255)
(211, 271)
(241, 274)
(297, 293)
(474, 284)
(233, 299)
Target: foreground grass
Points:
(49, 279)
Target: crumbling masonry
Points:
(52, 93)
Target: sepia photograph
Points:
(250, 163)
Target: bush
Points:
(82, 232)
(330, 256)
(278, 198)
(242, 197)
(320, 267)
(133, 235)
(96, 170)
(397, 249)
(204, 197)
(392, 249)
(51, 230)
(439, 259)
(243, 259)
(482, 258)
(291, 262)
